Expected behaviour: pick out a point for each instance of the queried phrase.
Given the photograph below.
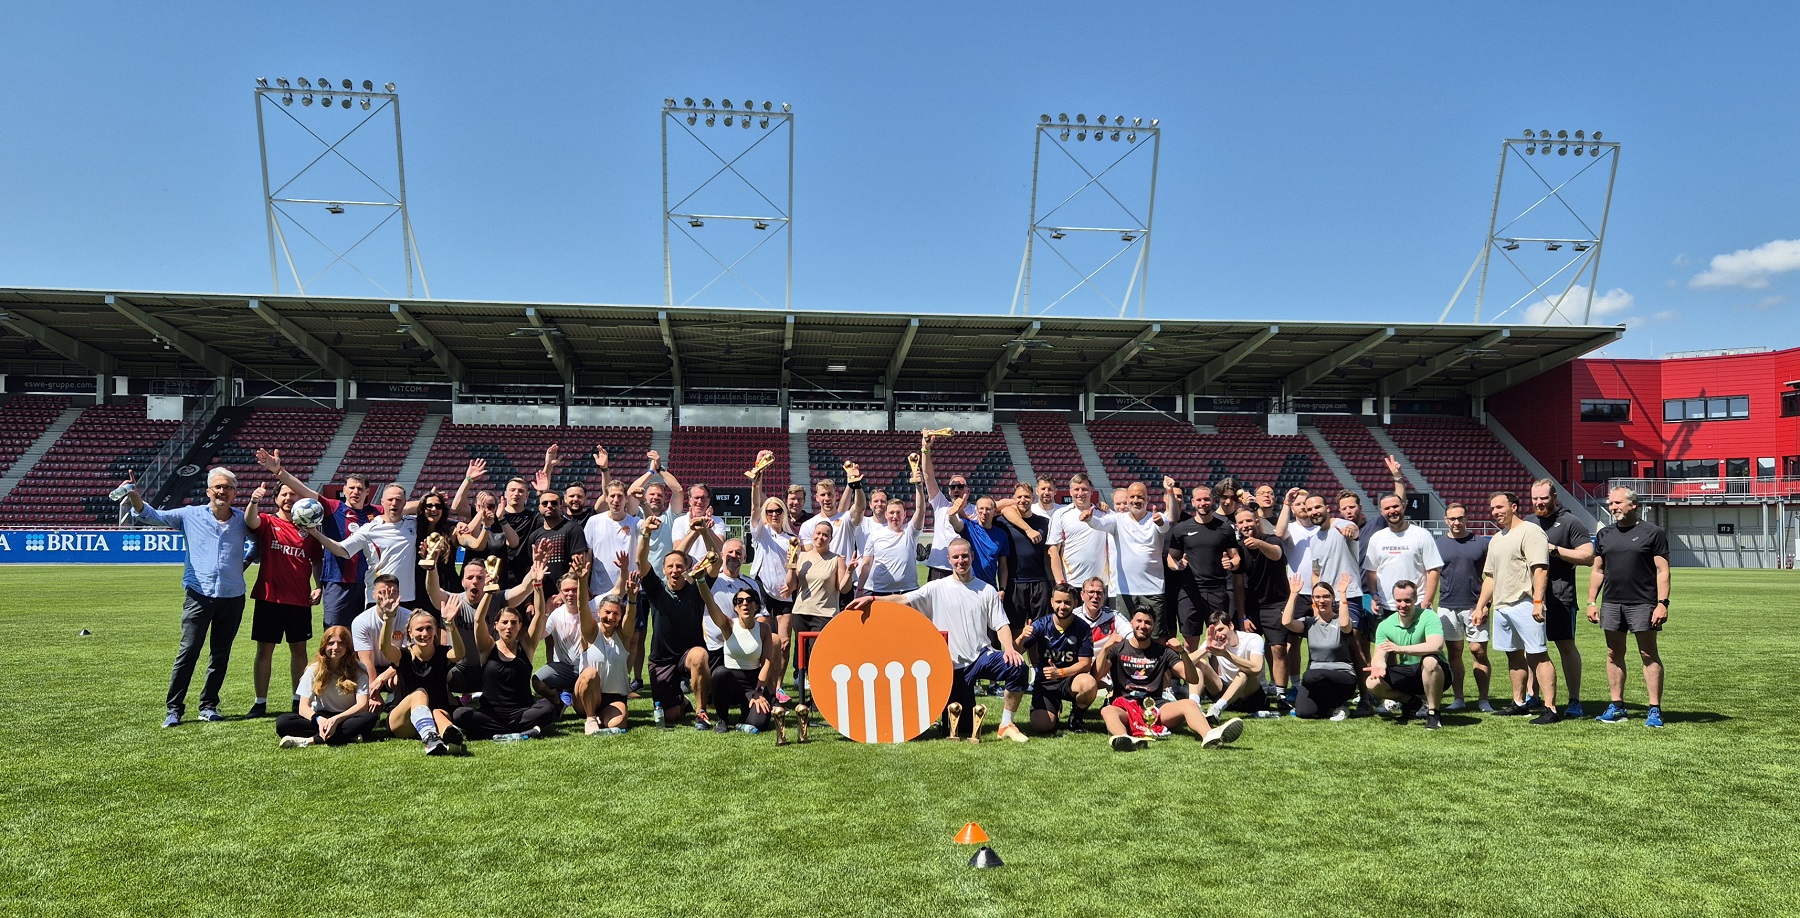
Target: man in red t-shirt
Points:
(292, 563)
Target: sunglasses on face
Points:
(744, 601)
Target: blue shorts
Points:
(1362, 617)
(992, 665)
(343, 602)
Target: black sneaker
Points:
(1409, 710)
(259, 709)
(1363, 709)
(1547, 718)
(1513, 710)
(453, 735)
(721, 727)
(1122, 743)
(701, 721)
(1431, 720)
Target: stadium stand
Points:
(68, 486)
(23, 419)
(1359, 452)
(1147, 450)
(1050, 446)
(300, 433)
(381, 442)
(1460, 459)
(719, 456)
(518, 451)
(981, 456)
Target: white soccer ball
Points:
(308, 513)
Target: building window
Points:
(1605, 409)
(1706, 409)
(1691, 468)
(1790, 404)
(1737, 468)
(1790, 466)
(1765, 468)
(1600, 470)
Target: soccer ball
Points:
(308, 513)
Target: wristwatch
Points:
(1663, 602)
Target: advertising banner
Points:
(92, 546)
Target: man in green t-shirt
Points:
(1407, 662)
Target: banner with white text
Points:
(92, 546)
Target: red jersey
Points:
(288, 556)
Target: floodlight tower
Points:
(1554, 209)
(365, 104)
(686, 214)
(1131, 229)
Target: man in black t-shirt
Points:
(1027, 596)
(1261, 583)
(1141, 669)
(1570, 545)
(1631, 563)
(517, 514)
(1197, 574)
(561, 537)
(677, 638)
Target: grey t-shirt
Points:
(1459, 585)
(1325, 645)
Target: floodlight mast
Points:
(769, 119)
(1060, 129)
(1586, 248)
(348, 94)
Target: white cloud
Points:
(1666, 315)
(1751, 267)
(1612, 301)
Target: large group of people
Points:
(498, 615)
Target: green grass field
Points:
(105, 813)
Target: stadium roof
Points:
(59, 331)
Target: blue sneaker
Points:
(1573, 710)
(173, 720)
(211, 715)
(567, 699)
(1614, 714)
(1654, 718)
(1533, 703)
(702, 722)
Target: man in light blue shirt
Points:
(213, 576)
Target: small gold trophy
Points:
(793, 552)
(493, 568)
(764, 459)
(851, 472)
(709, 565)
(912, 459)
(944, 432)
(434, 549)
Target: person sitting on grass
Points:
(509, 706)
(1233, 667)
(1407, 662)
(1329, 681)
(422, 679)
(743, 677)
(334, 698)
(604, 683)
(1063, 648)
(1141, 668)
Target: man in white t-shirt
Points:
(1078, 549)
(366, 638)
(1231, 665)
(1140, 537)
(969, 611)
(889, 552)
(937, 562)
(846, 522)
(699, 506)
(1318, 548)
(390, 542)
(724, 586)
(609, 533)
(1399, 551)
(562, 632)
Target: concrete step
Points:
(37, 449)
(1090, 457)
(1345, 478)
(1015, 447)
(799, 466)
(1415, 479)
(1575, 504)
(421, 447)
(326, 470)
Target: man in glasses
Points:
(937, 563)
(1464, 554)
(213, 576)
(700, 513)
(561, 537)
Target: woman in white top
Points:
(334, 698)
(604, 680)
(744, 675)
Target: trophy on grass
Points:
(764, 459)
(492, 562)
(435, 546)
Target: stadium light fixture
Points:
(388, 86)
(739, 113)
(696, 223)
(760, 224)
(287, 98)
(836, 368)
(1512, 245)
(365, 103)
(1057, 234)
(306, 99)
(692, 118)
(263, 82)
(305, 83)
(1583, 246)
(282, 82)
(334, 208)
(1552, 246)
(368, 86)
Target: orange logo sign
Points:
(881, 675)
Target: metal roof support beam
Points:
(191, 347)
(1512, 376)
(1396, 383)
(787, 347)
(554, 348)
(85, 354)
(1111, 366)
(668, 339)
(1319, 369)
(899, 358)
(321, 353)
(1220, 365)
(999, 370)
(440, 352)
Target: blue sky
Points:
(1318, 161)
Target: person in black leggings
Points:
(508, 703)
(743, 676)
(334, 698)
(1329, 681)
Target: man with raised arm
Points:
(1399, 552)
(988, 539)
(212, 575)
(390, 542)
(609, 532)
(678, 645)
(1201, 552)
(844, 514)
(1512, 589)
(891, 564)
(284, 593)
(699, 508)
(343, 593)
(1571, 546)
(937, 563)
(1142, 538)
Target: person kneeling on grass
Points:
(744, 677)
(1407, 663)
(1063, 647)
(334, 698)
(422, 679)
(1232, 667)
(1330, 678)
(1141, 668)
(509, 707)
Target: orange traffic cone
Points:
(971, 834)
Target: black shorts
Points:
(778, 606)
(1632, 617)
(665, 684)
(1050, 696)
(1193, 608)
(802, 623)
(1559, 620)
(607, 700)
(279, 623)
(714, 658)
(1268, 623)
(1026, 601)
(1407, 678)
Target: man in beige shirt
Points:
(1512, 588)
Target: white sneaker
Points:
(592, 726)
(1390, 706)
(295, 742)
(1456, 705)
(1223, 733)
(1339, 715)
(1486, 708)
(1213, 712)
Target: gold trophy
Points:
(493, 568)
(954, 710)
(709, 564)
(778, 714)
(912, 459)
(940, 433)
(975, 726)
(762, 462)
(803, 722)
(434, 549)
(793, 552)
(852, 474)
